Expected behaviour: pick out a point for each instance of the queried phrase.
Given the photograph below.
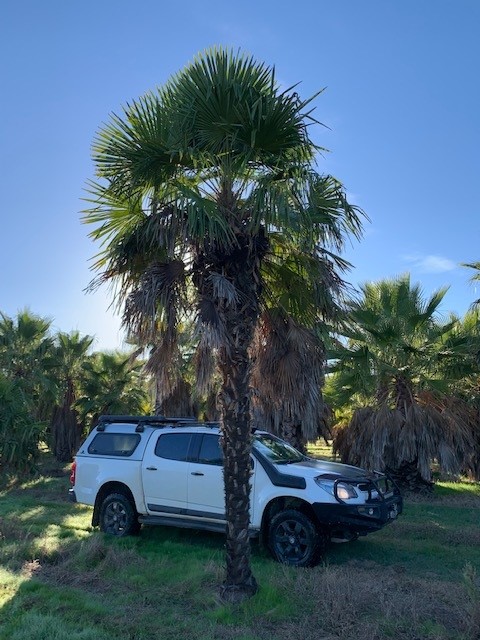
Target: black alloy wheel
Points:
(118, 516)
(294, 539)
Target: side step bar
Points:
(191, 523)
(219, 527)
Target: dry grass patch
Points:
(457, 499)
(367, 602)
(467, 536)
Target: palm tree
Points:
(464, 371)
(19, 432)
(397, 368)
(476, 276)
(70, 354)
(197, 178)
(26, 355)
(110, 383)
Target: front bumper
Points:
(359, 518)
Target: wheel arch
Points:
(104, 491)
(282, 503)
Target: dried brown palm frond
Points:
(222, 288)
(210, 330)
(179, 402)
(467, 413)
(407, 442)
(205, 368)
(287, 377)
(164, 364)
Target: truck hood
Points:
(312, 468)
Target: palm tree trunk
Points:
(236, 441)
(65, 427)
(292, 433)
(241, 267)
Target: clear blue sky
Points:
(402, 103)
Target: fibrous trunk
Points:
(65, 427)
(239, 316)
(239, 582)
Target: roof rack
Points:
(153, 421)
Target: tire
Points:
(294, 539)
(118, 516)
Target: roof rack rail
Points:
(121, 418)
(140, 421)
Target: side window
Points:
(174, 446)
(210, 451)
(114, 444)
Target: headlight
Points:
(326, 485)
(345, 491)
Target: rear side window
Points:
(114, 444)
(174, 446)
(210, 451)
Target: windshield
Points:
(276, 450)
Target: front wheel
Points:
(118, 516)
(294, 539)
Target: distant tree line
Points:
(395, 386)
(53, 387)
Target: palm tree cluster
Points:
(52, 389)
(210, 210)
(404, 372)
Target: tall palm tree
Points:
(198, 177)
(397, 368)
(70, 353)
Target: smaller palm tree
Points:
(70, 354)
(26, 355)
(394, 367)
(19, 432)
(465, 388)
(476, 276)
(111, 383)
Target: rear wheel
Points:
(118, 516)
(294, 539)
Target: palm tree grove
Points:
(222, 241)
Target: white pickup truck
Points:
(138, 470)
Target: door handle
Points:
(152, 469)
(197, 473)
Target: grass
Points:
(417, 578)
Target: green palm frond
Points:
(229, 103)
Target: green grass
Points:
(59, 579)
